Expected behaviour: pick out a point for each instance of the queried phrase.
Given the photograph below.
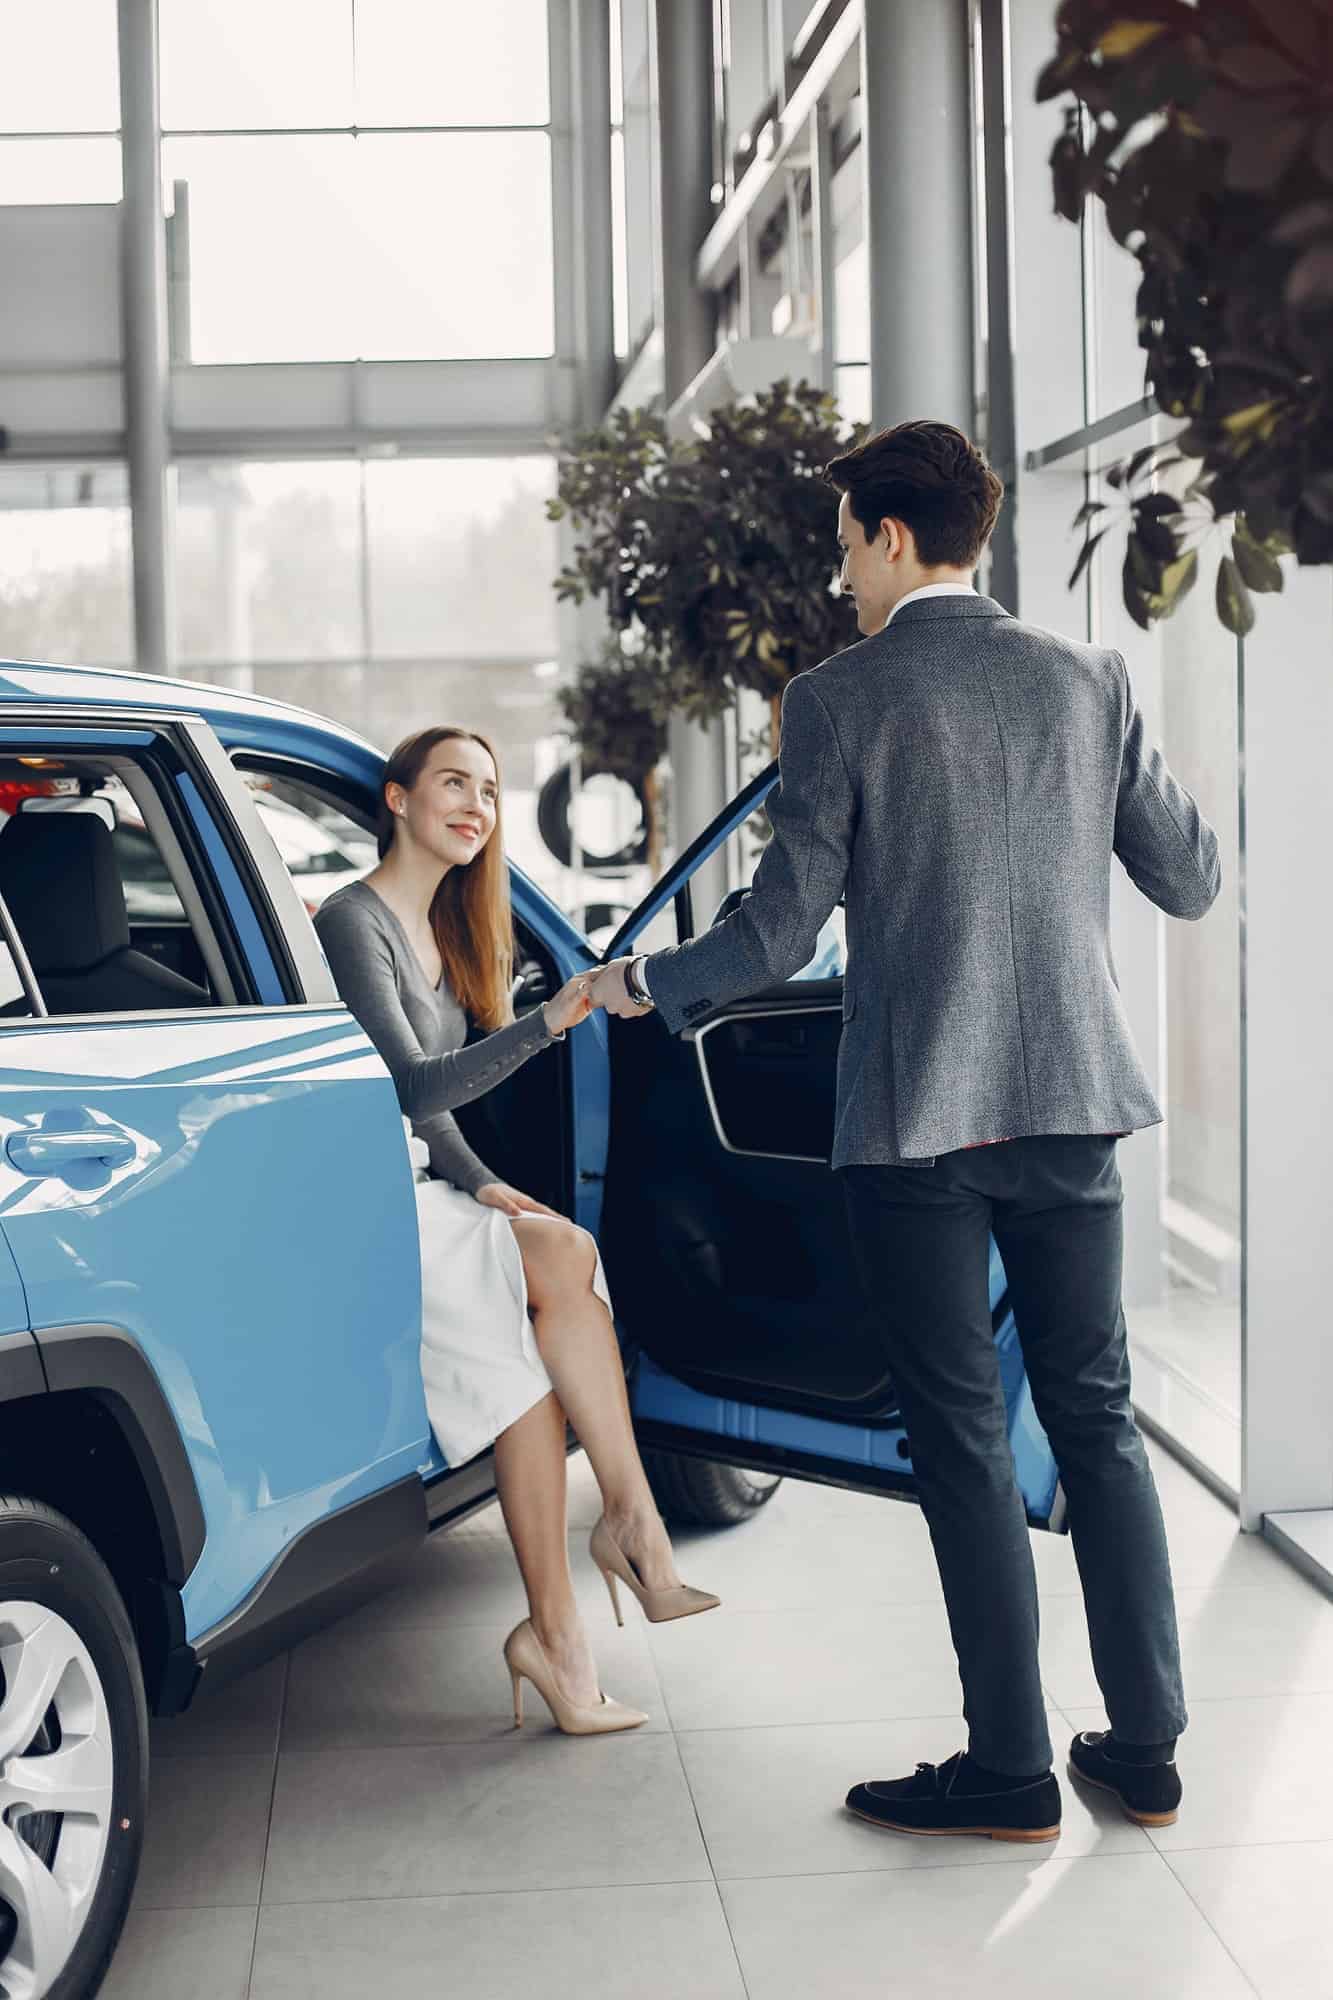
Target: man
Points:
(965, 780)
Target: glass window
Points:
(60, 71)
(273, 246)
(42, 171)
(14, 1001)
(268, 562)
(418, 63)
(237, 64)
(65, 565)
(462, 558)
(454, 257)
(159, 961)
(322, 247)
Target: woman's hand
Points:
(572, 1004)
(499, 1194)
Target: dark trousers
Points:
(920, 1237)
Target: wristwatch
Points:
(634, 986)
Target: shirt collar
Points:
(930, 590)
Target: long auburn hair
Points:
(470, 915)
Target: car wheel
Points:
(702, 1493)
(73, 1758)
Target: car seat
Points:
(59, 879)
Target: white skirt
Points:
(480, 1363)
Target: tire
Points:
(554, 801)
(703, 1493)
(66, 1641)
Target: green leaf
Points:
(1178, 580)
(1085, 556)
(1235, 607)
(1260, 570)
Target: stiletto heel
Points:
(615, 1595)
(526, 1659)
(680, 1601)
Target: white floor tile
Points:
(654, 1943)
(1267, 1639)
(164, 1954)
(1253, 1770)
(542, 1812)
(844, 1663)
(441, 1683)
(770, 1801)
(1270, 1907)
(1100, 1928)
(207, 1826)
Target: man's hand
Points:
(610, 991)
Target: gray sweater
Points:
(420, 1029)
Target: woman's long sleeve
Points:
(361, 958)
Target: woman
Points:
(423, 942)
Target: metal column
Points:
(685, 114)
(916, 144)
(147, 367)
(699, 764)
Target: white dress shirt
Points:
(932, 590)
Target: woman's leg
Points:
(530, 1479)
(578, 1345)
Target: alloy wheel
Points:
(56, 1780)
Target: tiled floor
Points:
(361, 1821)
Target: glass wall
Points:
(1077, 362)
(65, 564)
(60, 103)
(369, 181)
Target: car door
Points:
(221, 1180)
(724, 1232)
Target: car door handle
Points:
(52, 1152)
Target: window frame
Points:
(182, 757)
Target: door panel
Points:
(726, 1240)
(257, 1241)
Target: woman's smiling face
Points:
(451, 809)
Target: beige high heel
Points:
(526, 1658)
(680, 1601)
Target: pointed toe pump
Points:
(681, 1601)
(527, 1659)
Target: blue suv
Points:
(212, 1426)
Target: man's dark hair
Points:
(931, 478)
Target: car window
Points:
(98, 890)
(740, 855)
(323, 848)
(14, 1001)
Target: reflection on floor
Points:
(360, 1819)
(1186, 1359)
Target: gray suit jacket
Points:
(965, 780)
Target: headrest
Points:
(59, 878)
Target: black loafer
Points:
(929, 1803)
(1149, 1793)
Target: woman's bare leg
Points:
(578, 1344)
(530, 1480)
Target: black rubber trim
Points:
(452, 1496)
(327, 1568)
(754, 1457)
(107, 1363)
(21, 1371)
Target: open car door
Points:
(724, 1232)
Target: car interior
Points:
(100, 892)
(523, 1127)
